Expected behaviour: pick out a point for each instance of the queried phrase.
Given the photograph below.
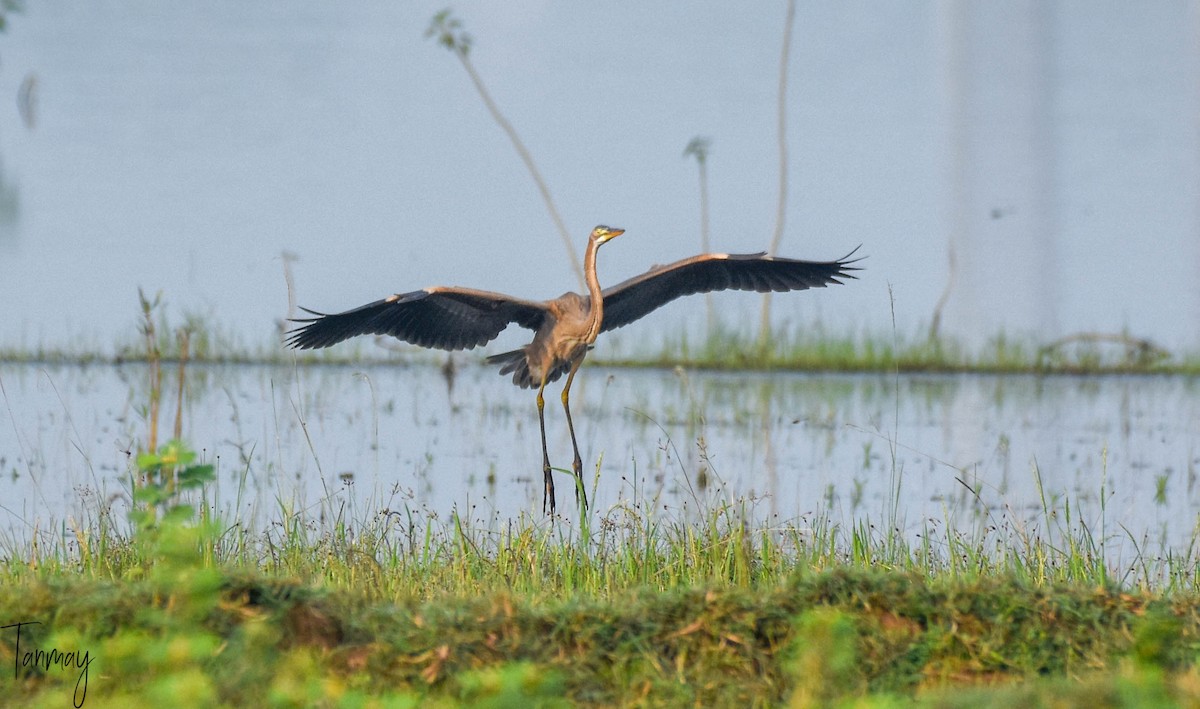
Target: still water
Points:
(882, 449)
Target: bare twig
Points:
(153, 357)
(935, 324)
(698, 148)
(450, 34)
(781, 207)
(954, 40)
(288, 259)
(1137, 351)
(184, 336)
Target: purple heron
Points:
(452, 318)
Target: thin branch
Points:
(935, 323)
(449, 33)
(953, 39)
(698, 148)
(781, 208)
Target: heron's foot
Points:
(548, 491)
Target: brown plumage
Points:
(451, 318)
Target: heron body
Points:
(453, 318)
(555, 345)
(571, 325)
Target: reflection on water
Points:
(967, 450)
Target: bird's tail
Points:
(515, 363)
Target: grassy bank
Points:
(724, 347)
(640, 609)
(151, 598)
(637, 605)
(821, 350)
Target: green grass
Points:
(817, 349)
(396, 606)
(812, 348)
(722, 350)
(638, 605)
(359, 603)
(643, 607)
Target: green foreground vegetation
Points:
(154, 599)
(401, 609)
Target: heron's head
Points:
(603, 233)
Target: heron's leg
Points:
(577, 463)
(548, 490)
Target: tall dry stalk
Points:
(781, 207)
(153, 359)
(185, 337)
(698, 148)
(450, 34)
(953, 40)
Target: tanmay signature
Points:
(53, 657)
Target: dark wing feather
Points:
(444, 318)
(638, 296)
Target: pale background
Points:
(186, 146)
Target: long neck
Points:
(596, 309)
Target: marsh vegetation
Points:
(785, 514)
(350, 534)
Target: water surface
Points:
(967, 450)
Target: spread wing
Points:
(440, 317)
(638, 296)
